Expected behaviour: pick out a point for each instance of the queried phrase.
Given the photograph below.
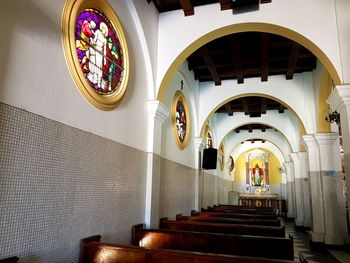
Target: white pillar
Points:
(299, 195)
(304, 165)
(198, 188)
(317, 210)
(340, 100)
(330, 174)
(290, 189)
(157, 114)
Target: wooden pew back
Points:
(9, 260)
(278, 248)
(249, 221)
(97, 252)
(269, 231)
(233, 215)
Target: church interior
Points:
(125, 123)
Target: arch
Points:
(228, 124)
(268, 146)
(207, 113)
(246, 27)
(277, 139)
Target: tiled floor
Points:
(311, 253)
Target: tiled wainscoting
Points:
(177, 186)
(59, 184)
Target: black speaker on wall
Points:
(209, 158)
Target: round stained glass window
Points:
(96, 51)
(181, 120)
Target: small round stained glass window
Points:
(181, 121)
(96, 51)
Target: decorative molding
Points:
(340, 96)
(157, 110)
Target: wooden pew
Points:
(242, 209)
(257, 208)
(251, 221)
(268, 231)
(233, 215)
(93, 251)
(238, 211)
(254, 246)
(9, 260)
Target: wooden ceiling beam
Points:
(210, 64)
(265, 39)
(250, 128)
(228, 109)
(225, 4)
(263, 105)
(245, 106)
(281, 109)
(187, 7)
(236, 60)
(293, 61)
(265, 1)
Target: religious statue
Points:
(257, 175)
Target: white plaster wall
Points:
(34, 75)
(275, 138)
(304, 17)
(146, 22)
(342, 8)
(170, 150)
(247, 146)
(287, 91)
(286, 123)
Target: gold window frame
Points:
(179, 96)
(71, 11)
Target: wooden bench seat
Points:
(9, 260)
(269, 231)
(240, 245)
(238, 211)
(93, 251)
(238, 207)
(249, 221)
(241, 209)
(234, 215)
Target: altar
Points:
(262, 198)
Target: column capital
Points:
(326, 138)
(309, 140)
(303, 156)
(199, 143)
(294, 156)
(157, 110)
(340, 96)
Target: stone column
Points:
(340, 100)
(304, 165)
(330, 173)
(317, 210)
(198, 179)
(290, 189)
(157, 114)
(299, 199)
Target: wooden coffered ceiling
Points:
(250, 54)
(253, 106)
(188, 6)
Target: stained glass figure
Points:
(181, 120)
(99, 51)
